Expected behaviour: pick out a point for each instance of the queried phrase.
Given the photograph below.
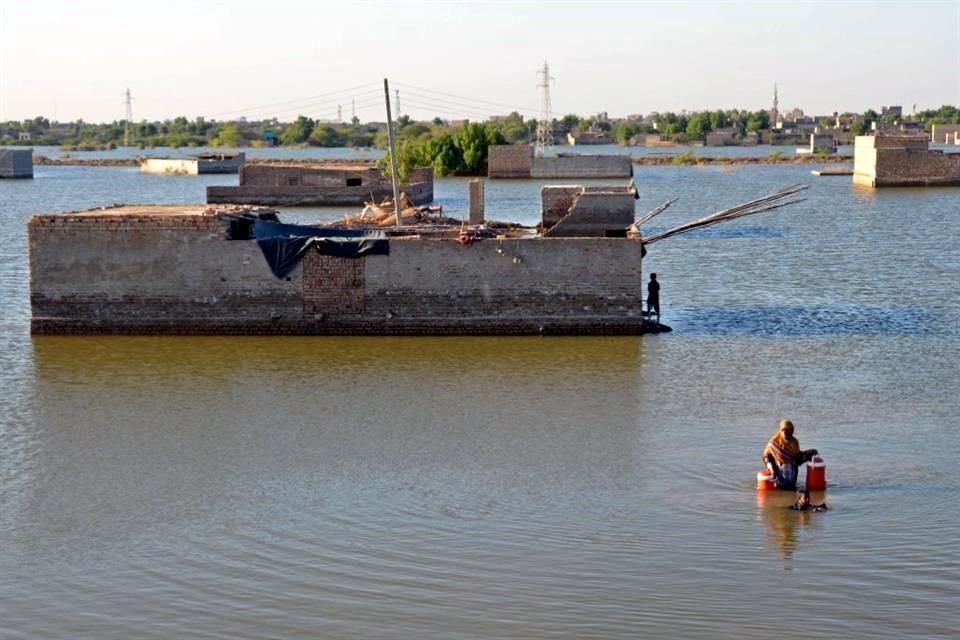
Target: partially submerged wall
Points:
(581, 166)
(509, 161)
(171, 166)
(295, 184)
(518, 161)
(946, 133)
(902, 161)
(16, 163)
(596, 211)
(172, 270)
(204, 163)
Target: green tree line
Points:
(304, 131)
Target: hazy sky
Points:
(73, 59)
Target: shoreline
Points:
(646, 161)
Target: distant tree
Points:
(569, 122)
(298, 131)
(474, 139)
(718, 120)
(325, 135)
(229, 135)
(414, 130)
(698, 126)
(513, 128)
(758, 120)
(670, 123)
(446, 155)
(624, 131)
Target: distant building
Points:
(902, 161)
(16, 163)
(589, 137)
(202, 163)
(721, 137)
(891, 112)
(946, 133)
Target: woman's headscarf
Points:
(783, 446)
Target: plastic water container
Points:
(765, 481)
(816, 474)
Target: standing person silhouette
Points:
(653, 297)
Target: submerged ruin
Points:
(318, 184)
(206, 269)
(886, 160)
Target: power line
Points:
(455, 104)
(439, 109)
(489, 102)
(296, 100)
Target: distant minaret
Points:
(128, 101)
(775, 112)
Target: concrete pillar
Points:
(476, 201)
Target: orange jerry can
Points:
(816, 474)
(765, 481)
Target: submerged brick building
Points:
(199, 270)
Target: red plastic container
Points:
(765, 481)
(816, 474)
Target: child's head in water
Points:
(804, 498)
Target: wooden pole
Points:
(393, 157)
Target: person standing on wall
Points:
(653, 297)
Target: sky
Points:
(260, 59)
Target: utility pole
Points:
(545, 123)
(339, 113)
(393, 153)
(128, 101)
(775, 112)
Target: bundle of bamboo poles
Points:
(775, 200)
(384, 214)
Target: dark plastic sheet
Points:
(284, 245)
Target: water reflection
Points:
(783, 523)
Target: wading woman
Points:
(783, 456)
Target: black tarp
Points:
(283, 245)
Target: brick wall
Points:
(582, 166)
(332, 286)
(154, 272)
(16, 163)
(881, 161)
(293, 185)
(509, 161)
(945, 133)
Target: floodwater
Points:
(507, 487)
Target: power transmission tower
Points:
(545, 123)
(128, 101)
(397, 104)
(339, 113)
(775, 112)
